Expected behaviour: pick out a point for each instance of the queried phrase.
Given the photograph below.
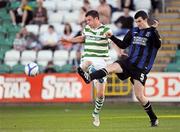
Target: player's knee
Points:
(85, 65)
(114, 68)
(88, 63)
(100, 95)
(140, 97)
(111, 68)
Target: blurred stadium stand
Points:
(61, 11)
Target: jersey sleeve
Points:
(123, 43)
(83, 32)
(156, 39)
(109, 30)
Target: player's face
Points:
(141, 23)
(90, 21)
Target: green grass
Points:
(77, 118)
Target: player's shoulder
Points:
(106, 28)
(87, 27)
(134, 29)
(154, 31)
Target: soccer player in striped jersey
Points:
(95, 55)
(143, 42)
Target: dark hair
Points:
(142, 14)
(84, 9)
(51, 26)
(86, 1)
(92, 13)
(66, 27)
(102, 1)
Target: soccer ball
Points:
(31, 69)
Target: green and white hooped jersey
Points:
(96, 43)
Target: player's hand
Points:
(108, 34)
(155, 24)
(122, 52)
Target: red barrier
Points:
(44, 88)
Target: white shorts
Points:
(98, 63)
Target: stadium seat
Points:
(178, 54)
(28, 56)
(4, 47)
(55, 18)
(11, 28)
(172, 67)
(59, 28)
(43, 57)
(3, 12)
(41, 68)
(49, 5)
(72, 55)
(33, 4)
(178, 62)
(67, 68)
(75, 27)
(5, 44)
(4, 68)
(94, 3)
(113, 3)
(132, 13)
(71, 16)
(15, 4)
(57, 68)
(2, 53)
(43, 28)
(60, 57)
(3, 29)
(18, 68)
(76, 4)
(64, 5)
(12, 57)
(33, 29)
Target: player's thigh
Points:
(85, 64)
(100, 88)
(139, 92)
(114, 68)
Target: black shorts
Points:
(131, 71)
(19, 18)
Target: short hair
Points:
(142, 14)
(92, 13)
(51, 26)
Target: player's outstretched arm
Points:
(120, 43)
(79, 39)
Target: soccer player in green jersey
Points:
(95, 55)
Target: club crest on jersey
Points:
(147, 34)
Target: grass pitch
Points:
(116, 117)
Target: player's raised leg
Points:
(112, 68)
(82, 68)
(92, 69)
